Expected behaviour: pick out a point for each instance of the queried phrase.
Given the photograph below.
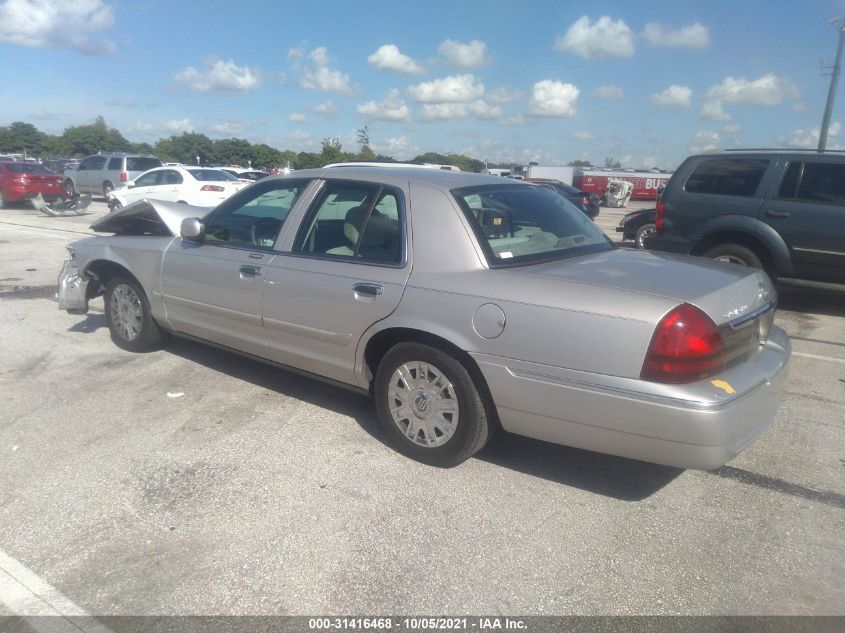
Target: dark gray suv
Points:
(780, 210)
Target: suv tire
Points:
(735, 254)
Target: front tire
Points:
(107, 189)
(428, 405)
(129, 318)
(735, 254)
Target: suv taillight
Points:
(124, 176)
(661, 208)
(686, 347)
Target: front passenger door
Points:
(213, 289)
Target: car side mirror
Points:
(192, 230)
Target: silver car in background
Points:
(100, 174)
(461, 303)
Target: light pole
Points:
(839, 23)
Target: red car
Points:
(22, 181)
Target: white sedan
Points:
(197, 186)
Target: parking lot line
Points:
(26, 594)
(829, 359)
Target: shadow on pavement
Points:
(814, 300)
(93, 321)
(616, 477)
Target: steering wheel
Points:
(263, 232)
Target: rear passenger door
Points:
(807, 209)
(344, 269)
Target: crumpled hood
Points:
(149, 217)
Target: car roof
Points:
(439, 179)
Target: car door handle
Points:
(250, 271)
(368, 290)
(777, 214)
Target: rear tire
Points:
(428, 406)
(643, 232)
(735, 254)
(129, 318)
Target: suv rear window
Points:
(727, 177)
(141, 163)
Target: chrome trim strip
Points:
(813, 250)
(746, 319)
(327, 336)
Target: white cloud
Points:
(603, 39)
(389, 57)
(57, 23)
(809, 138)
(695, 35)
(704, 140)
(503, 95)
(318, 76)
(391, 108)
(297, 117)
(553, 98)
(730, 129)
(174, 126)
(229, 128)
(394, 145)
(713, 110)
(674, 96)
(445, 111)
(769, 90)
(326, 109)
(610, 93)
(219, 75)
(799, 107)
(583, 136)
(452, 89)
(470, 55)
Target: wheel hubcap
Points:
(423, 404)
(126, 312)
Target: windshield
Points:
(521, 224)
(213, 175)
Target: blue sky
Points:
(646, 83)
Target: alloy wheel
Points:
(126, 312)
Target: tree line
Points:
(82, 140)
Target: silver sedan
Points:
(462, 303)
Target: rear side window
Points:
(114, 164)
(790, 180)
(141, 163)
(727, 177)
(822, 182)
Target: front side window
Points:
(522, 224)
(823, 182)
(171, 177)
(355, 221)
(727, 177)
(253, 221)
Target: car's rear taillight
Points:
(124, 176)
(686, 347)
(212, 188)
(661, 208)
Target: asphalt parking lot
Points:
(191, 481)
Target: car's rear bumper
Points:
(668, 244)
(73, 289)
(701, 425)
(48, 192)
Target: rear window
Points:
(523, 224)
(212, 175)
(142, 163)
(727, 177)
(29, 168)
(822, 182)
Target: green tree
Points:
(611, 163)
(264, 157)
(185, 148)
(364, 140)
(579, 163)
(24, 137)
(96, 137)
(332, 148)
(232, 151)
(464, 163)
